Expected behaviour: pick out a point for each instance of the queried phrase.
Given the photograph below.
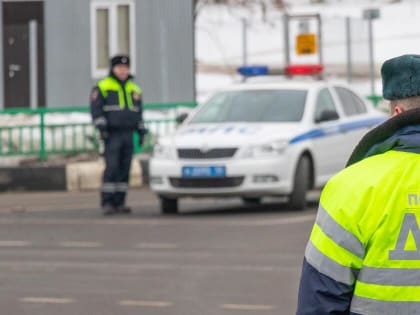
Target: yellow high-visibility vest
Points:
(110, 84)
(367, 233)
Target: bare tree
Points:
(280, 4)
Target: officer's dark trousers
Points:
(118, 154)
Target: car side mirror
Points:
(181, 118)
(327, 115)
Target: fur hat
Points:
(401, 77)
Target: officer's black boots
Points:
(123, 209)
(108, 210)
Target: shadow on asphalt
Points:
(188, 208)
(229, 210)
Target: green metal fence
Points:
(41, 135)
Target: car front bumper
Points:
(244, 178)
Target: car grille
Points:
(218, 153)
(206, 182)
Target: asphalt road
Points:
(58, 255)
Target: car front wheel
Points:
(297, 199)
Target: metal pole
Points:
(33, 63)
(371, 57)
(42, 148)
(286, 40)
(349, 59)
(321, 56)
(244, 42)
(164, 61)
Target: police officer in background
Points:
(116, 109)
(363, 256)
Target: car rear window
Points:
(253, 106)
(352, 104)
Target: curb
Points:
(33, 178)
(79, 176)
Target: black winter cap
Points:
(120, 60)
(401, 77)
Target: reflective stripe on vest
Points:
(366, 306)
(111, 84)
(328, 266)
(338, 234)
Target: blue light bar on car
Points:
(289, 70)
(249, 71)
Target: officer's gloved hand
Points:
(142, 135)
(103, 134)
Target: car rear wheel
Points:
(297, 199)
(251, 201)
(168, 205)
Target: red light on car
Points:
(304, 69)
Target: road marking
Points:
(273, 222)
(145, 303)
(14, 243)
(157, 246)
(162, 222)
(81, 244)
(248, 307)
(47, 300)
(98, 267)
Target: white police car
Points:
(256, 140)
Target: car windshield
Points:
(253, 106)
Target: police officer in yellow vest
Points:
(363, 256)
(116, 108)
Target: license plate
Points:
(203, 171)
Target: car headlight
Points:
(265, 150)
(163, 152)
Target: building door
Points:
(16, 42)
